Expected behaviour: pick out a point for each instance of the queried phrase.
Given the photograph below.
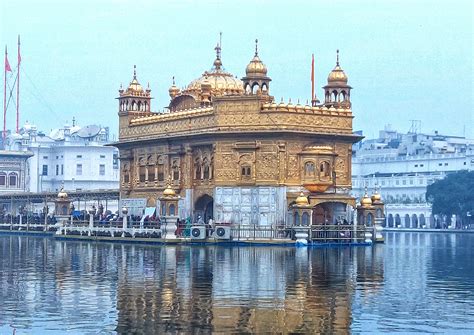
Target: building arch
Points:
(255, 88)
(398, 221)
(407, 221)
(390, 221)
(204, 207)
(13, 179)
(3, 179)
(414, 221)
(422, 221)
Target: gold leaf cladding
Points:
(267, 166)
(293, 168)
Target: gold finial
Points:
(134, 72)
(173, 81)
(256, 47)
(337, 57)
(218, 48)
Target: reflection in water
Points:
(415, 282)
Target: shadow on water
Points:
(415, 282)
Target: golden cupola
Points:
(337, 74)
(337, 91)
(169, 192)
(134, 99)
(376, 197)
(173, 90)
(134, 86)
(366, 201)
(256, 80)
(301, 200)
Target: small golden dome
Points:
(134, 86)
(302, 200)
(376, 197)
(173, 90)
(169, 192)
(256, 67)
(337, 74)
(366, 201)
(62, 194)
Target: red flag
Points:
(7, 65)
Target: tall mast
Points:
(5, 98)
(312, 81)
(18, 89)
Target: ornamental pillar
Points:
(302, 217)
(169, 212)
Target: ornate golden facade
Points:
(231, 151)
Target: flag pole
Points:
(5, 99)
(18, 88)
(312, 79)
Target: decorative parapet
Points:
(171, 116)
(320, 110)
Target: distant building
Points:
(13, 171)
(74, 156)
(403, 165)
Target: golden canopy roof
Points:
(62, 194)
(376, 197)
(256, 67)
(134, 85)
(301, 200)
(366, 201)
(337, 74)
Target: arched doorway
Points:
(398, 221)
(204, 207)
(414, 221)
(407, 221)
(322, 214)
(390, 221)
(422, 221)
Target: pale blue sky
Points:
(405, 59)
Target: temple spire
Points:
(337, 57)
(256, 47)
(134, 72)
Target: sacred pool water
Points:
(415, 282)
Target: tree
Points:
(453, 195)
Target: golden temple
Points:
(235, 154)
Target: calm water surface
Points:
(416, 282)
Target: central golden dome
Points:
(220, 81)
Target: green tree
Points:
(453, 195)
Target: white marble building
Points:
(403, 165)
(73, 156)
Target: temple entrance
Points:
(204, 207)
(330, 213)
